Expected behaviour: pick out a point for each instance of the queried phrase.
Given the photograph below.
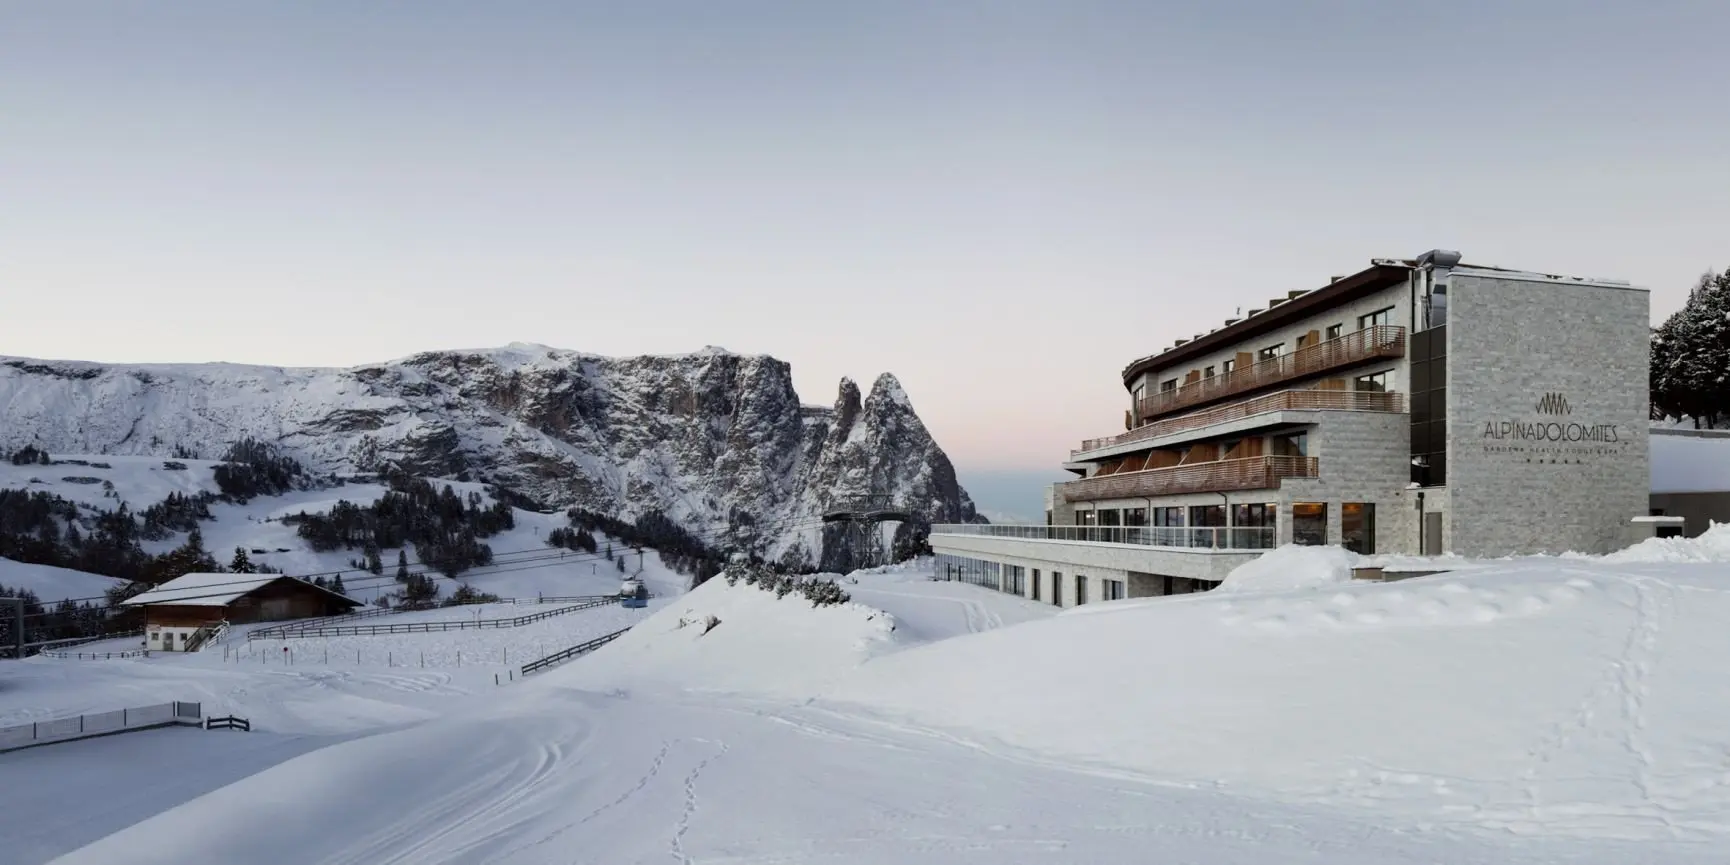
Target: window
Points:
(1112, 590)
(1309, 523)
(1168, 385)
(1358, 527)
(1168, 516)
(1080, 590)
(1379, 318)
(1036, 584)
(1333, 332)
(1057, 588)
(1226, 366)
(1270, 352)
(1207, 372)
(1291, 445)
(1135, 516)
(1374, 382)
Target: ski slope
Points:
(1517, 711)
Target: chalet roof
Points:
(216, 590)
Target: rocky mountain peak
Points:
(709, 438)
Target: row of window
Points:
(1246, 515)
(1013, 579)
(1379, 318)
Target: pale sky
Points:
(1001, 202)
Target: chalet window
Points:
(1333, 332)
(1374, 382)
(1270, 352)
(1207, 372)
(1169, 384)
(1226, 366)
(1379, 318)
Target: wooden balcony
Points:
(1285, 400)
(1253, 473)
(1348, 350)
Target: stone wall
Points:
(1547, 414)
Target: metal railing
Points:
(1352, 348)
(206, 635)
(572, 652)
(586, 603)
(100, 724)
(1286, 400)
(1184, 537)
(1251, 473)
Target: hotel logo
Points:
(1553, 403)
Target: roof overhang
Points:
(1381, 274)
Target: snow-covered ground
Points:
(524, 568)
(51, 584)
(1519, 711)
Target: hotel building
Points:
(1419, 406)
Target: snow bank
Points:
(1545, 695)
(1711, 546)
(1291, 567)
(760, 644)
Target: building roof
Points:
(1379, 275)
(217, 590)
(1686, 461)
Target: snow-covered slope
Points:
(1534, 696)
(524, 566)
(1533, 711)
(705, 438)
(52, 585)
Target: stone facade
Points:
(1547, 410)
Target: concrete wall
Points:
(1700, 510)
(1511, 341)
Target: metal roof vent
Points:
(1443, 258)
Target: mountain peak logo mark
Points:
(1554, 403)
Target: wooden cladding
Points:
(1257, 473)
(1323, 398)
(1352, 348)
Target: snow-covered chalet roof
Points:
(213, 590)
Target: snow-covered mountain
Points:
(707, 438)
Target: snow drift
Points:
(1531, 694)
(737, 639)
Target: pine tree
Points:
(337, 586)
(241, 564)
(373, 564)
(1690, 363)
(402, 566)
(621, 563)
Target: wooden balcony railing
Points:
(1285, 400)
(1254, 473)
(1352, 348)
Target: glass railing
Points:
(1185, 537)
